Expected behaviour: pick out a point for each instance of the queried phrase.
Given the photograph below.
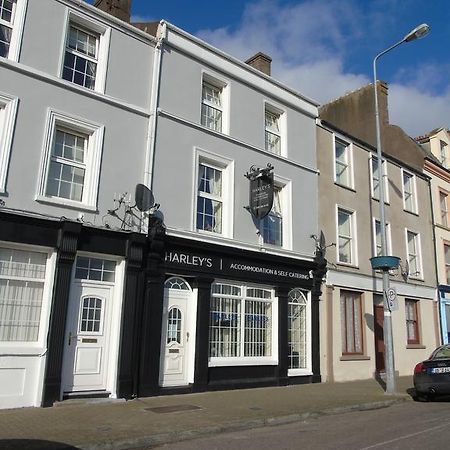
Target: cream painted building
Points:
(352, 313)
(436, 145)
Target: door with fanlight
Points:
(86, 341)
(88, 326)
(175, 333)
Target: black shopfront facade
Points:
(203, 266)
(149, 262)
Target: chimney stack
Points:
(261, 62)
(117, 8)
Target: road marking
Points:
(406, 436)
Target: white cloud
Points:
(417, 112)
(313, 42)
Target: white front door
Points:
(86, 340)
(175, 338)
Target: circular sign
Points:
(391, 294)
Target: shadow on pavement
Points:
(33, 444)
(380, 381)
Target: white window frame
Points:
(8, 113)
(22, 347)
(224, 86)
(282, 133)
(443, 153)
(227, 167)
(251, 360)
(348, 162)
(418, 248)
(384, 176)
(285, 188)
(104, 36)
(353, 237)
(443, 212)
(308, 369)
(95, 134)
(413, 194)
(375, 235)
(17, 26)
(446, 263)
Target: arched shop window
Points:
(297, 331)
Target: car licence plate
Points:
(440, 370)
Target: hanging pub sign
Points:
(261, 191)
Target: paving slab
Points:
(117, 424)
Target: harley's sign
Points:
(261, 191)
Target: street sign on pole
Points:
(391, 296)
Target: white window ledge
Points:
(223, 362)
(66, 203)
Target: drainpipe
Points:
(154, 103)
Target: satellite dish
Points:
(143, 197)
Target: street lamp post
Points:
(416, 33)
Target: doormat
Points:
(172, 408)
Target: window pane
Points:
(413, 254)
(342, 163)
(225, 327)
(444, 208)
(375, 178)
(271, 228)
(91, 313)
(95, 269)
(412, 329)
(351, 323)
(257, 340)
(233, 317)
(21, 297)
(80, 61)
(209, 204)
(211, 116)
(174, 326)
(408, 191)
(5, 39)
(297, 331)
(345, 237)
(66, 180)
(447, 263)
(272, 132)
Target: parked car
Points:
(432, 376)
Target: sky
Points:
(325, 48)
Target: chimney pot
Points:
(261, 62)
(117, 8)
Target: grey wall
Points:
(180, 95)
(130, 56)
(123, 111)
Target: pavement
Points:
(146, 422)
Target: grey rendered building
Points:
(242, 293)
(74, 126)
